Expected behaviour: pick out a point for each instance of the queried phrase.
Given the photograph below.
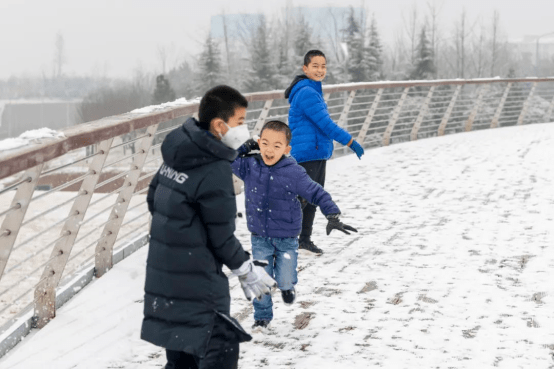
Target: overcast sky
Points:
(117, 36)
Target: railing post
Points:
(526, 105)
(494, 122)
(45, 292)
(422, 113)
(104, 248)
(469, 123)
(326, 96)
(261, 119)
(394, 118)
(549, 111)
(369, 117)
(344, 115)
(16, 214)
(448, 112)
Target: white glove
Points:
(254, 280)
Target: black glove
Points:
(248, 146)
(334, 223)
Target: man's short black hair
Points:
(312, 53)
(278, 126)
(219, 102)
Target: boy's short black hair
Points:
(312, 53)
(278, 126)
(219, 102)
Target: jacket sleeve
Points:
(151, 192)
(314, 193)
(240, 166)
(315, 108)
(217, 209)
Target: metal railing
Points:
(75, 200)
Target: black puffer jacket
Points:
(193, 210)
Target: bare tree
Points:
(59, 54)
(461, 34)
(224, 19)
(434, 11)
(162, 55)
(411, 27)
(478, 54)
(494, 41)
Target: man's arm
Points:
(241, 164)
(315, 109)
(217, 208)
(151, 192)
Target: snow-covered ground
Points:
(450, 268)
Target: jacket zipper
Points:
(267, 201)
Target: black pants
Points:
(316, 171)
(223, 352)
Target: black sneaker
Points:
(309, 246)
(289, 296)
(260, 325)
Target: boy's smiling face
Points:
(273, 145)
(317, 69)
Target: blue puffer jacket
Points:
(272, 206)
(313, 130)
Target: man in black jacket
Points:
(193, 207)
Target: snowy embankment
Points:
(450, 268)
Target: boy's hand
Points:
(357, 148)
(254, 280)
(248, 146)
(334, 223)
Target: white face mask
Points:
(236, 136)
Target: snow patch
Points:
(29, 136)
(175, 103)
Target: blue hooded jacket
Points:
(272, 207)
(313, 130)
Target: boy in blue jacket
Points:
(272, 184)
(313, 132)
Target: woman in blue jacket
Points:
(313, 132)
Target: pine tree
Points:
(163, 92)
(302, 41)
(181, 78)
(209, 66)
(424, 65)
(356, 65)
(374, 53)
(262, 71)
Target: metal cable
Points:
(130, 141)
(120, 160)
(62, 186)
(112, 179)
(28, 179)
(56, 207)
(39, 234)
(69, 164)
(34, 254)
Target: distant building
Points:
(18, 116)
(527, 47)
(323, 21)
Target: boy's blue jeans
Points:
(282, 255)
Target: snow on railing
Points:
(73, 198)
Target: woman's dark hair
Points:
(312, 53)
(278, 126)
(219, 102)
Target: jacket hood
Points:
(294, 82)
(303, 82)
(189, 147)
